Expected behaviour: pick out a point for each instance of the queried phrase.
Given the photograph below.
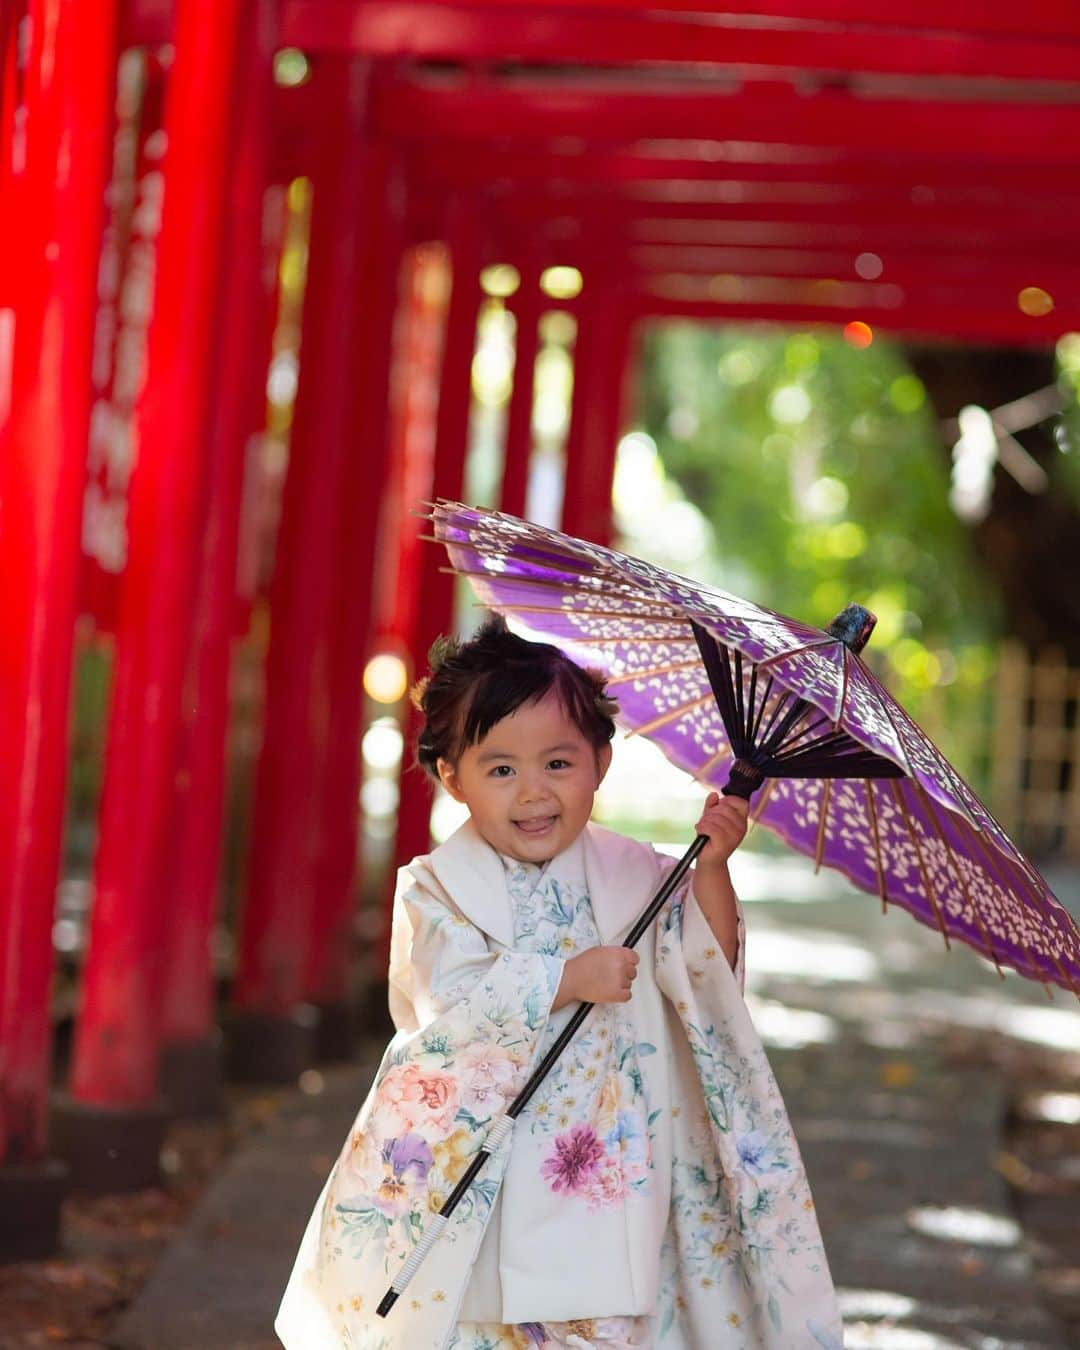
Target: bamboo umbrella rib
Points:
(928, 885)
(767, 661)
(711, 763)
(751, 705)
(495, 543)
(773, 740)
(538, 557)
(777, 709)
(666, 611)
(741, 610)
(958, 785)
(587, 641)
(1016, 857)
(761, 710)
(847, 657)
(783, 627)
(763, 801)
(878, 862)
(929, 806)
(655, 670)
(667, 717)
(553, 574)
(567, 613)
(823, 820)
(740, 713)
(992, 871)
(797, 745)
(1039, 901)
(883, 703)
(546, 584)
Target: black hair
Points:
(477, 683)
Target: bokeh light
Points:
(291, 68)
(382, 744)
(500, 280)
(858, 334)
(1035, 302)
(385, 678)
(561, 283)
(907, 393)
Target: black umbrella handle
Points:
(558, 1045)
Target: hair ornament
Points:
(443, 649)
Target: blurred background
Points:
(783, 296)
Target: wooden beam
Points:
(597, 36)
(924, 322)
(1047, 18)
(535, 111)
(726, 169)
(887, 266)
(769, 234)
(1021, 227)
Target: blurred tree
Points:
(820, 468)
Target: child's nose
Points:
(531, 787)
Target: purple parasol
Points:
(748, 701)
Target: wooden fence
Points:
(1034, 778)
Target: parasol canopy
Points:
(749, 701)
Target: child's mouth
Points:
(539, 826)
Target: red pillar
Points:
(330, 953)
(600, 358)
(118, 1034)
(191, 1068)
(436, 614)
(270, 1037)
(420, 339)
(527, 307)
(54, 177)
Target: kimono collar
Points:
(620, 875)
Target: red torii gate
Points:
(829, 166)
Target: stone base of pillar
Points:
(192, 1077)
(270, 1047)
(373, 1013)
(337, 1032)
(109, 1149)
(30, 1199)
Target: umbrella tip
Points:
(853, 626)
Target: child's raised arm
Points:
(724, 821)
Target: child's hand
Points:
(724, 821)
(600, 975)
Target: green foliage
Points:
(820, 470)
(1065, 471)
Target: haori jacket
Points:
(673, 1189)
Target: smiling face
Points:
(529, 783)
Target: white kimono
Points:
(653, 1175)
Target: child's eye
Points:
(559, 764)
(500, 771)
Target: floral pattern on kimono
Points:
(478, 1019)
(593, 1103)
(605, 1333)
(730, 1241)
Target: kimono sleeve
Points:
(699, 942)
(470, 1018)
(741, 1213)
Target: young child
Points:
(652, 1194)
